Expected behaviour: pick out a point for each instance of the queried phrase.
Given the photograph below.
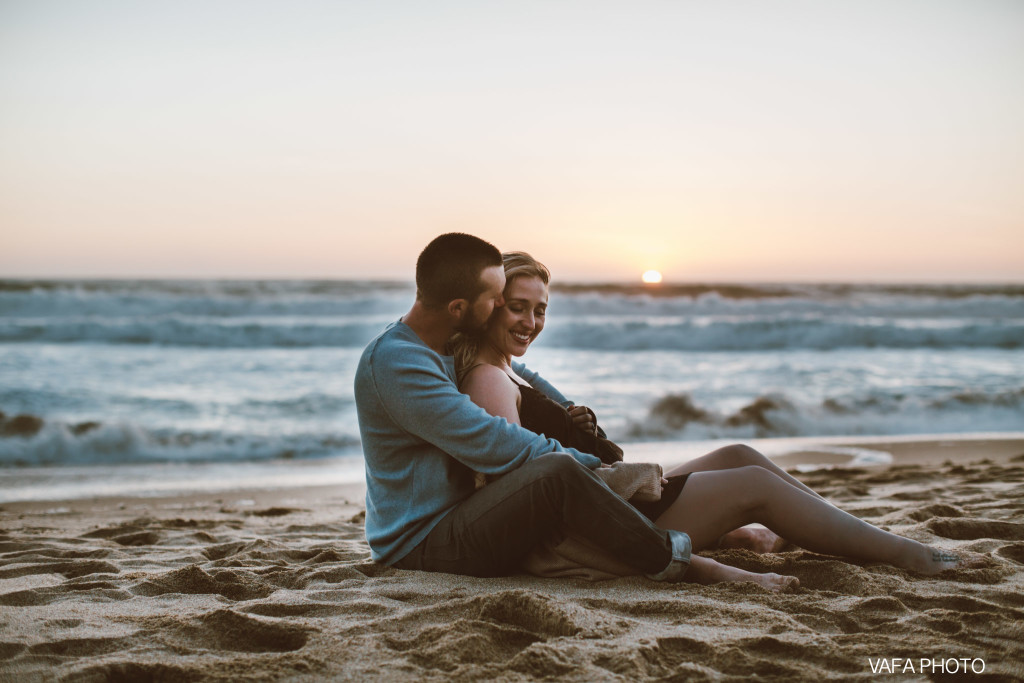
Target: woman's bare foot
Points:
(756, 539)
(927, 560)
(706, 571)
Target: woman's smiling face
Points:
(514, 326)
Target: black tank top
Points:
(541, 415)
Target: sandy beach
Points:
(279, 585)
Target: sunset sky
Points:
(876, 140)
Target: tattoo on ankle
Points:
(938, 556)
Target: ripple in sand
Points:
(545, 660)
(317, 609)
(226, 630)
(11, 650)
(71, 569)
(463, 641)
(234, 585)
(132, 672)
(969, 529)
(963, 604)
(81, 647)
(826, 621)
(274, 512)
(683, 658)
(138, 538)
(78, 593)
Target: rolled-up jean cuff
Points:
(682, 548)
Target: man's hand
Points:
(583, 417)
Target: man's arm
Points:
(422, 399)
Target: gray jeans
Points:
(491, 532)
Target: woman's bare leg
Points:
(737, 455)
(705, 570)
(756, 539)
(713, 503)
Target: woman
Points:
(710, 498)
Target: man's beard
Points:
(471, 324)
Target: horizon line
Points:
(588, 282)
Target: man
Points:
(422, 441)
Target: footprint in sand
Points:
(493, 628)
(526, 610)
(923, 514)
(1014, 551)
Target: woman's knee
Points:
(742, 455)
(754, 485)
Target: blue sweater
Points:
(422, 440)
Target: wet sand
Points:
(279, 585)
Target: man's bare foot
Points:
(705, 570)
(777, 583)
(756, 539)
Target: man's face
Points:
(493, 280)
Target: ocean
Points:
(143, 386)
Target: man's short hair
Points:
(450, 266)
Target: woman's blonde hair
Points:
(466, 345)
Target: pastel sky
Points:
(876, 140)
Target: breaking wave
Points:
(678, 416)
(30, 440)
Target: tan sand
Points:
(279, 586)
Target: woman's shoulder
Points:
(490, 388)
(486, 374)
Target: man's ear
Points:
(457, 308)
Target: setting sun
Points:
(652, 277)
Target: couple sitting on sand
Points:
(440, 401)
